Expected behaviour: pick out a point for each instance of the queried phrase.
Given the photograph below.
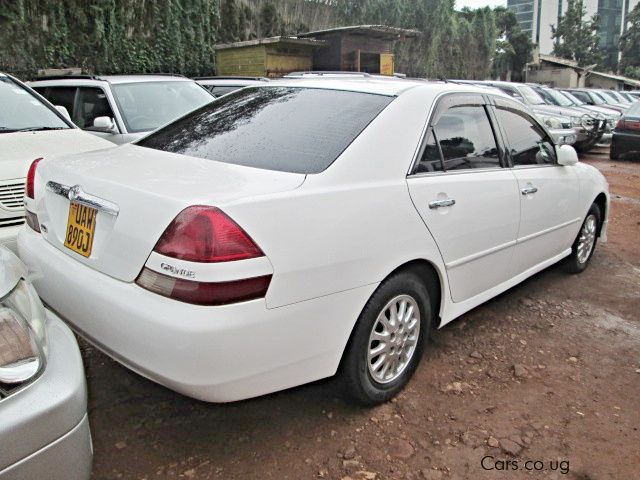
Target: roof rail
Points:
(320, 73)
(231, 77)
(160, 74)
(69, 77)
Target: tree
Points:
(269, 20)
(514, 47)
(575, 38)
(630, 45)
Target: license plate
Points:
(81, 226)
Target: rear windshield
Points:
(298, 130)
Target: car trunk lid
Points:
(137, 193)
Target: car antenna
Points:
(443, 79)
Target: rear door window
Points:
(466, 138)
(59, 96)
(289, 129)
(92, 103)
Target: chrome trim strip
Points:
(76, 194)
(548, 230)
(458, 172)
(476, 256)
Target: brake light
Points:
(31, 177)
(207, 235)
(628, 124)
(632, 124)
(202, 293)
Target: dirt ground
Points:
(541, 382)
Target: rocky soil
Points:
(541, 382)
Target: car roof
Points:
(390, 86)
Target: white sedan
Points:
(287, 232)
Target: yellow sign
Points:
(387, 63)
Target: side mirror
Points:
(567, 155)
(103, 124)
(63, 111)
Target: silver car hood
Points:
(556, 110)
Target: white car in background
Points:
(123, 108)
(30, 128)
(287, 232)
(44, 428)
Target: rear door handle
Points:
(529, 190)
(447, 202)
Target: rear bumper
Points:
(625, 142)
(44, 431)
(217, 354)
(8, 237)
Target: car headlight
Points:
(553, 122)
(588, 122)
(576, 121)
(23, 342)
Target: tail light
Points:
(201, 293)
(632, 124)
(31, 177)
(205, 234)
(628, 124)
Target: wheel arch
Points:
(433, 280)
(601, 201)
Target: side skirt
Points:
(454, 310)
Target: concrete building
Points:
(537, 16)
(563, 73)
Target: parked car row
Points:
(282, 233)
(591, 114)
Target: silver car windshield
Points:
(575, 100)
(530, 95)
(558, 97)
(598, 99)
(20, 110)
(609, 97)
(146, 106)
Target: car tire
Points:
(364, 383)
(613, 154)
(585, 242)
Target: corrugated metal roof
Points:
(271, 40)
(558, 60)
(372, 30)
(619, 78)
